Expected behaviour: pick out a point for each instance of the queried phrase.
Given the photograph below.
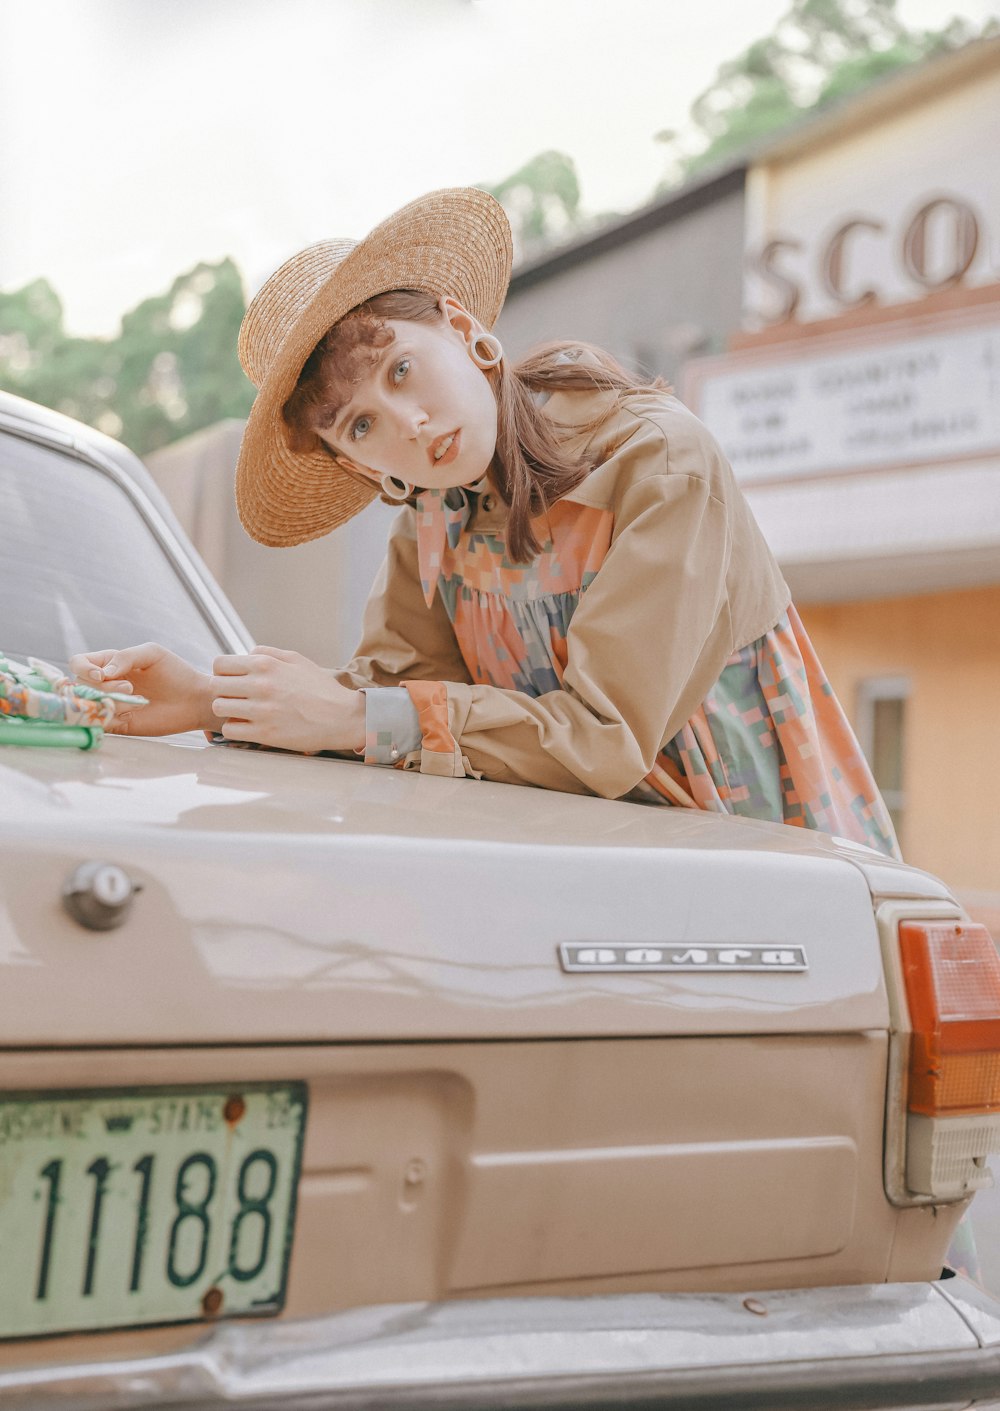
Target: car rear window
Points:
(81, 568)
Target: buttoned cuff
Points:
(392, 725)
(439, 751)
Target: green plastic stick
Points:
(15, 730)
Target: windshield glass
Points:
(81, 569)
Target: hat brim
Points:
(455, 242)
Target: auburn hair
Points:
(530, 469)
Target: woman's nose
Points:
(415, 419)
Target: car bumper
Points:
(866, 1346)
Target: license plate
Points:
(124, 1207)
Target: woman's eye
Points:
(401, 369)
(361, 428)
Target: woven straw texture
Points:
(455, 242)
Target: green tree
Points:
(171, 370)
(819, 52)
(542, 200)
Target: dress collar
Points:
(590, 422)
(442, 515)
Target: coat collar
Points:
(590, 424)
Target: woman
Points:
(576, 595)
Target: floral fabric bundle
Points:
(38, 695)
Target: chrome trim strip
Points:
(873, 1346)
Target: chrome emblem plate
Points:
(586, 957)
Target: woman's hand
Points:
(180, 697)
(284, 700)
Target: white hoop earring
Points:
(494, 350)
(395, 489)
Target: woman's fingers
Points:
(130, 659)
(88, 666)
(235, 687)
(106, 667)
(234, 665)
(250, 675)
(233, 707)
(93, 675)
(277, 654)
(261, 659)
(240, 730)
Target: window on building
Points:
(882, 733)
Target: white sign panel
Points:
(923, 399)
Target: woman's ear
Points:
(459, 318)
(342, 462)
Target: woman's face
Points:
(425, 413)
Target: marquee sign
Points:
(921, 399)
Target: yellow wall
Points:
(948, 645)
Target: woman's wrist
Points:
(205, 696)
(357, 722)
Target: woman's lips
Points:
(450, 452)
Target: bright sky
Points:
(138, 137)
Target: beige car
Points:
(331, 1085)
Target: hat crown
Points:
(281, 300)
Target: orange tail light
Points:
(952, 977)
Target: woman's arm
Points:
(280, 698)
(401, 638)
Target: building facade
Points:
(860, 406)
(656, 289)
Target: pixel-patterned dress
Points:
(769, 741)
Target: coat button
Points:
(489, 502)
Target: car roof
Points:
(64, 433)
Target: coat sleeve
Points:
(647, 641)
(400, 636)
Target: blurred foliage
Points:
(542, 201)
(173, 367)
(171, 370)
(820, 51)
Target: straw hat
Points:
(455, 242)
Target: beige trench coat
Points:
(688, 580)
